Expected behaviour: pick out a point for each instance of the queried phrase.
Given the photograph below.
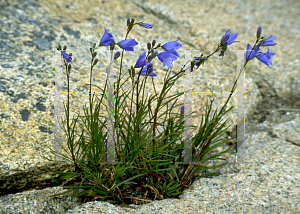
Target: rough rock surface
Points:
(30, 29)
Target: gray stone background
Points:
(30, 29)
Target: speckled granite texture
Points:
(30, 29)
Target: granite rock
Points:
(31, 29)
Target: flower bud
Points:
(148, 45)
(58, 47)
(94, 45)
(69, 67)
(94, 54)
(117, 54)
(258, 33)
(132, 21)
(150, 70)
(133, 71)
(65, 48)
(153, 42)
(182, 110)
(150, 58)
(112, 46)
(95, 62)
(91, 50)
(70, 54)
(128, 22)
(129, 71)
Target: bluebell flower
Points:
(222, 53)
(202, 60)
(166, 58)
(266, 57)
(148, 72)
(265, 42)
(106, 39)
(174, 52)
(197, 58)
(127, 44)
(263, 57)
(256, 47)
(171, 47)
(67, 57)
(268, 41)
(171, 54)
(142, 61)
(227, 40)
(253, 53)
(145, 25)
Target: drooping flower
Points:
(256, 47)
(142, 61)
(106, 39)
(127, 44)
(268, 41)
(253, 53)
(67, 57)
(170, 53)
(266, 57)
(148, 72)
(263, 57)
(265, 42)
(166, 58)
(171, 47)
(222, 53)
(202, 60)
(145, 25)
(198, 58)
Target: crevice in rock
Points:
(34, 178)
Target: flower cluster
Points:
(170, 54)
(254, 52)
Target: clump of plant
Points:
(149, 164)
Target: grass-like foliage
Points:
(150, 168)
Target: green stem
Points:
(68, 122)
(90, 94)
